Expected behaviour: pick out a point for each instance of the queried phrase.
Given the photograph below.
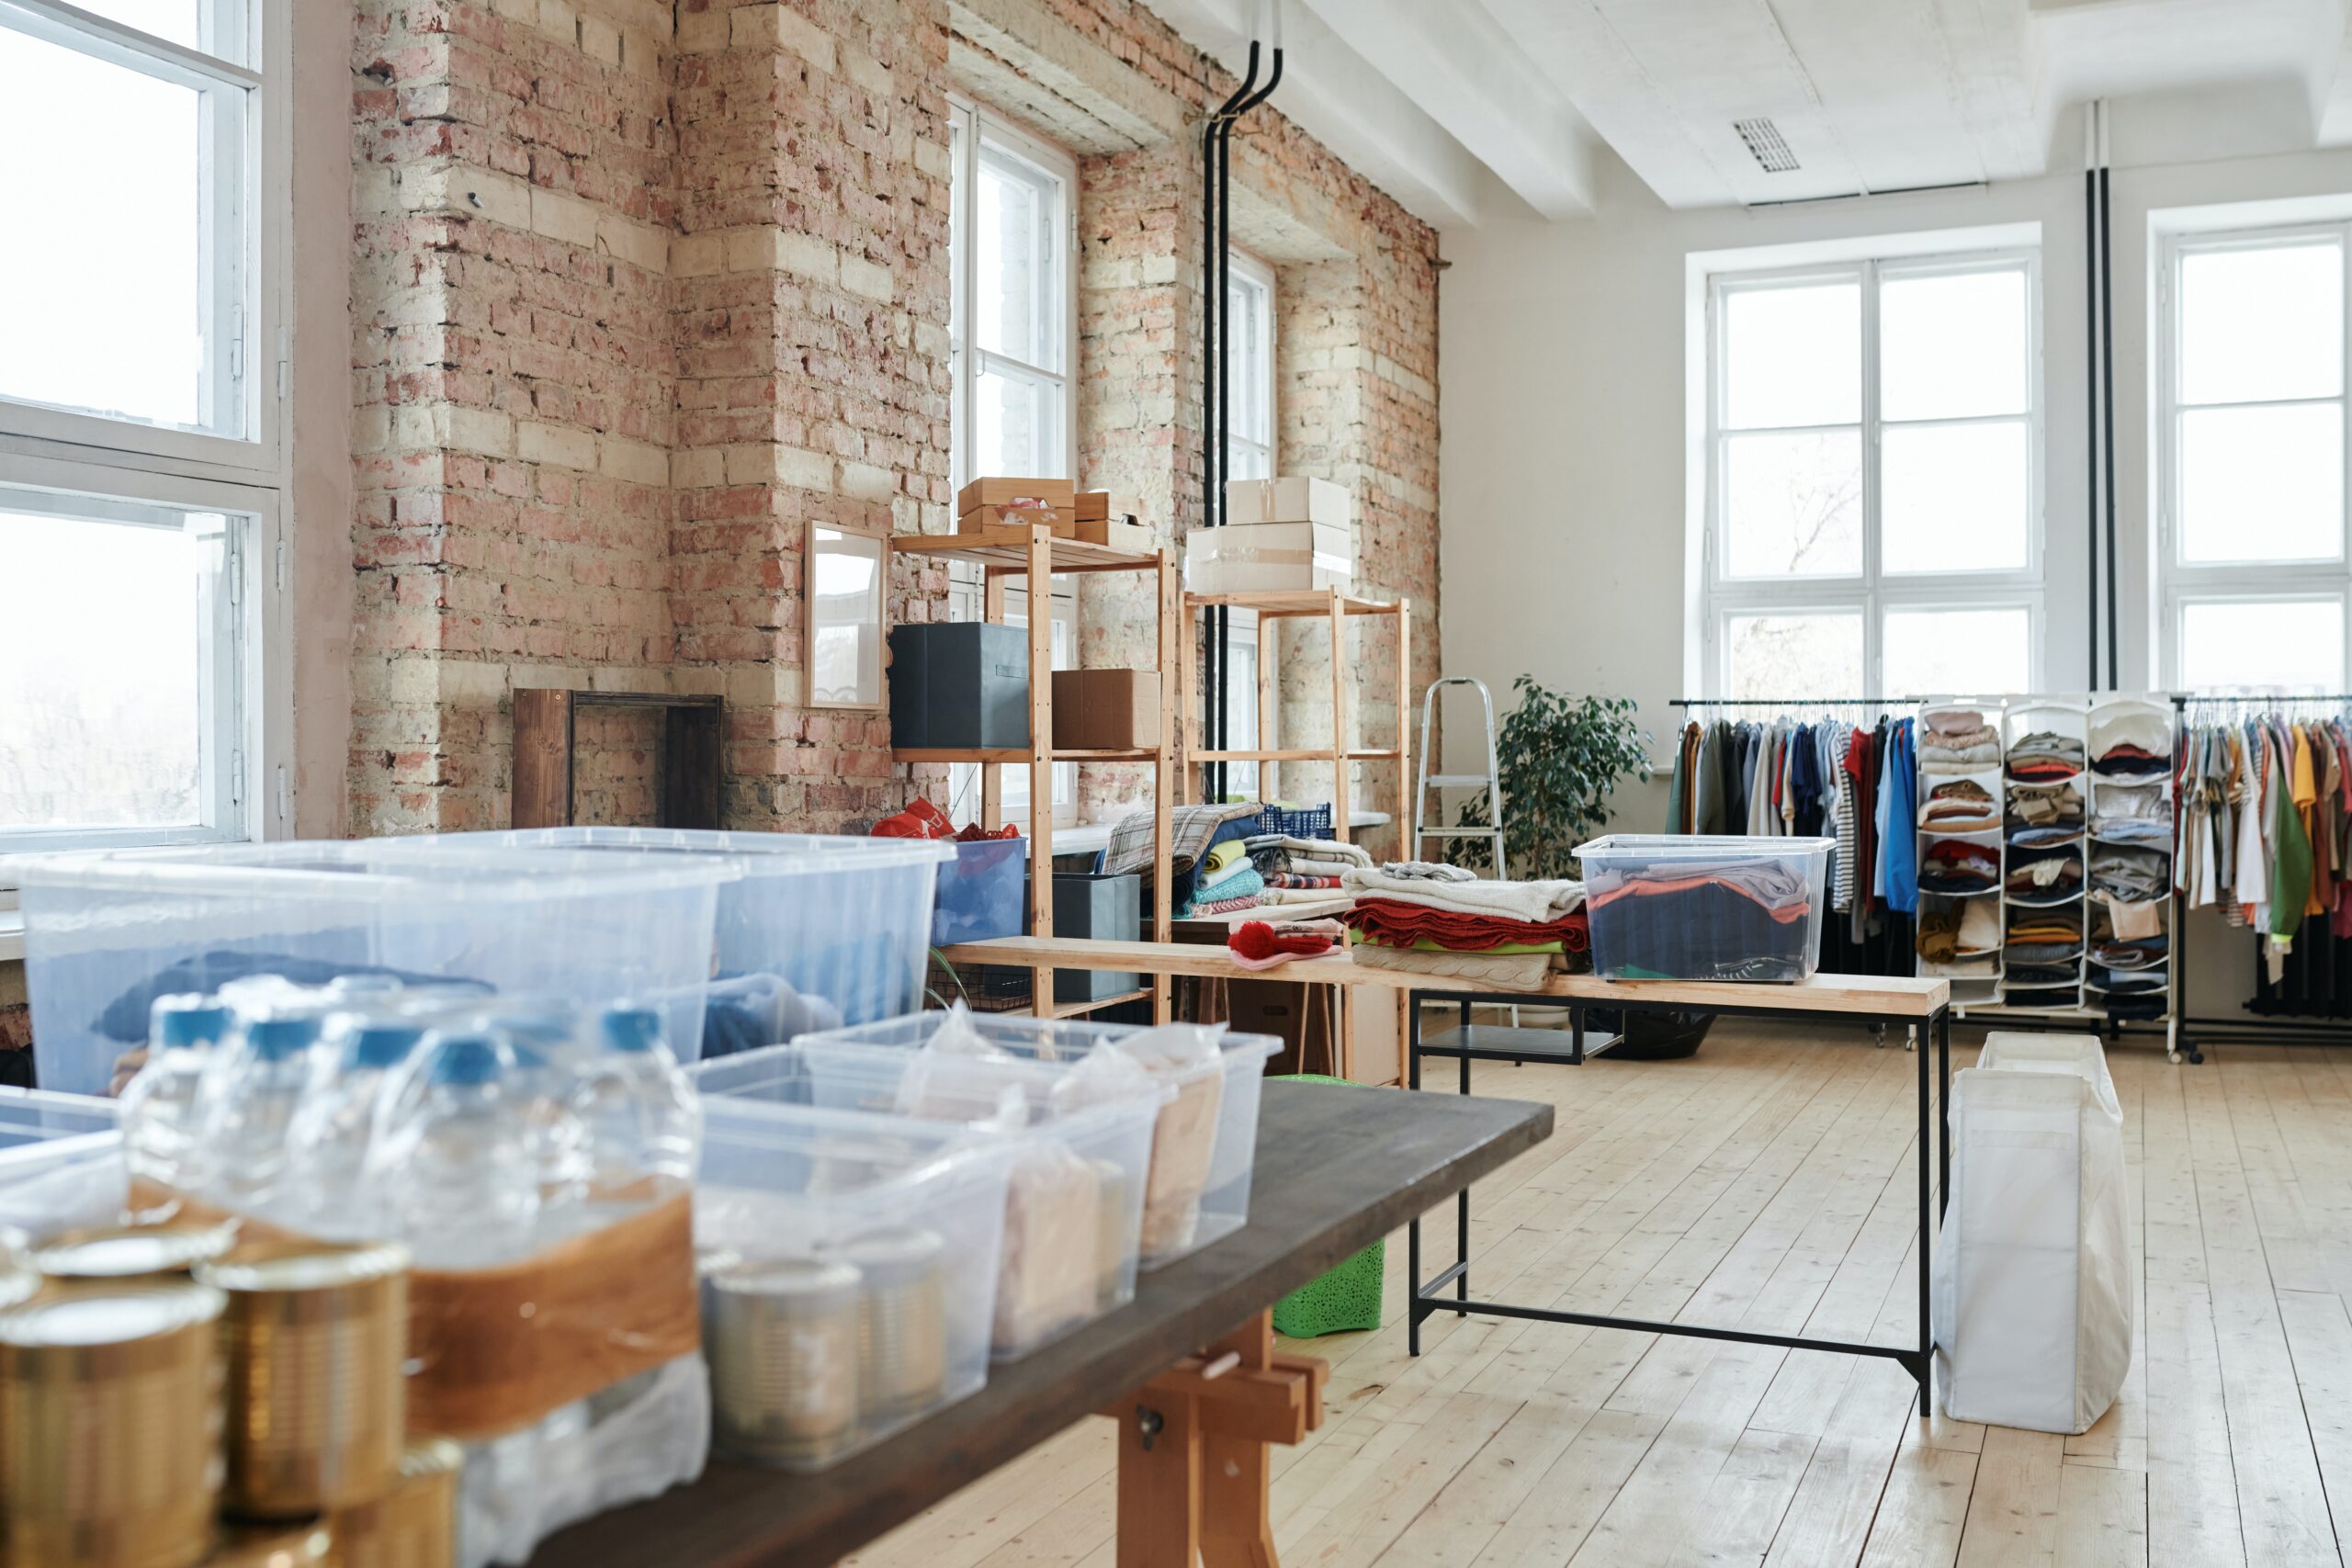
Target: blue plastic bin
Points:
(983, 893)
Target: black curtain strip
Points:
(2091, 422)
(2107, 385)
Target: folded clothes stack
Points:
(2041, 975)
(1958, 933)
(2044, 936)
(1237, 888)
(1504, 933)
(2117, 954)
(2043, 877)
(2044, 756)
(2131, 876)
(1960, 806)
(1279, 854)
(2130, 742)
(1194, 831)
(1959, 865)
(1739, 917)
(2133, 814)
(2127, 982)
(1958, 742)
(2045, 806)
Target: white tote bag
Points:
(2032, 1276)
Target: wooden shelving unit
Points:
(1332, 607)
(1032, 552)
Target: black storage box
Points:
(960, 684)
(1097, 908)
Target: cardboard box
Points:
(1127, 538)
(960, 684)
(1268, 557)
(991, 491)
(1100, 505)
(980, 518)
(1288, 501)
(1106, 710)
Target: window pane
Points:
(2262, 324)
(2262, 483)
(1017, 288)
(2277, 645)
(1958, 652)
(1249, 342)
(103, 307)
(1952, 348)
(1016, 426)
(1802, 654)
(1793, 505)
(1794, 355)
(1957, 497)
(207, 25)
(104, 650)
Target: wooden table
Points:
(1337, 1168)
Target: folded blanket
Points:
(1232, 906)
(1393, 920)
(1194, 831)
(1533, 901)
(1429, 870)
(1292, 879)
(1504, 972)
(1241, 890)
(1328, 849)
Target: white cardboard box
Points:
(1268, 557)
(1288, 501)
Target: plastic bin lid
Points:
(764, 854)
(861, 1152)
(369, 870)
(1698, 845)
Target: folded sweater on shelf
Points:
(1507, 972)
(1397, 922)
(1504, 900)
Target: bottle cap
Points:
(380, 1044)
(276, 1038)
(632, 1028)
(465, 1059)
(188, 1021)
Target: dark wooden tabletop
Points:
(1337, 1168)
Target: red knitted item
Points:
(1256, 939)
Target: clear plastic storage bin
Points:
(983, 893)
(847, 1263)
(107, 933)
(1674, 906)
(818, 931)
(1074, 1197)
(61, 1165)
(1205, 1144)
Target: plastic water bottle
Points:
(545, 1053)
(245, 1105)
(643, 1121)
(453, 1155)
(331, 1129)
(159, 1115)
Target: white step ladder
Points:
(1493, 833)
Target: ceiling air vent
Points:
(1766, 143)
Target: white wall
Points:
(1564, 448)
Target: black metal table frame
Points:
(1428, 1299)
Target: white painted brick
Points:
(561, 217)
(371, 428)
(751, 463)
(696, 469)
(864, 481)
(639, 244)
(476, 430)
(639, 462)
(933, 158)
(803, 255)
(467, 681)
(863, 277)
(600, 39)
(867, 73)
(697, 256)
(540, 443)
(803, 469)
(484, 192)
(703, 32)
(558, 21)
(803, 38)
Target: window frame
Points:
(2183, 583)
(1256, 276)
(248, 772)
(1874, 590)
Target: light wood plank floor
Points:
(1769, 1182)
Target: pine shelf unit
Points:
(1031, 551)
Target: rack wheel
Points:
(2172, 1055)
(1878, 1037)
(2195, 1054)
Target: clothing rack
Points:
(1791, 702)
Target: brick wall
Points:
(639, 293)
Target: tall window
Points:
(1874, 444)
(1012, 323)
(1249, 454)
(139, 383)
(2251, 449)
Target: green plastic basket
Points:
(1344, 1301)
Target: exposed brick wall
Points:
(641, 292)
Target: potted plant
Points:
(1558, 759)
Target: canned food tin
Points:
(109, 1427)
(130, 1252)
(412, 1526)
(783, 1342)
(307, 1546)
(902, 1319)
(311, 1345)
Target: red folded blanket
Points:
(1400, 924)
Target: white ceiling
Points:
(1472, 109)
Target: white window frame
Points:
(2183, 583)
(1875, 591)
(1258, 280)
(247, 736)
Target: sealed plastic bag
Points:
(1186, 1057)
(2032, 1270)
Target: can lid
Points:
(125, 1252)
(813, 1280)
(304, 1268)
(115, 1315)
(892, 1255)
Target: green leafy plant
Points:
(1558, 759)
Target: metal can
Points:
(306, 1546)
(902, 1319)
(783, 1342)
(130, 1252)
(311, 1345)
(109, 1427)
(412, 1526)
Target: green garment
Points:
(1707, 788)
(2291, 847)
(1678, 789)
(1508, 949)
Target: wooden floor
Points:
(1767, 1182)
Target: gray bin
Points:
(960, 684)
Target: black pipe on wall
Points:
(1212, 326)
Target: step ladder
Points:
(1488, 780)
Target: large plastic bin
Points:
(1073, 1202)
(106, 933)
(782, 1181)
(843, 922)
(1204, 1144)
(1670, 907)
(983, 893)
(61, 1165)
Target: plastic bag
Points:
(1183, 1142)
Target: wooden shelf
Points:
(1078, 1009)
(1309, 601)
(1007, 549)
(1309, 755)
(1015, 754)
